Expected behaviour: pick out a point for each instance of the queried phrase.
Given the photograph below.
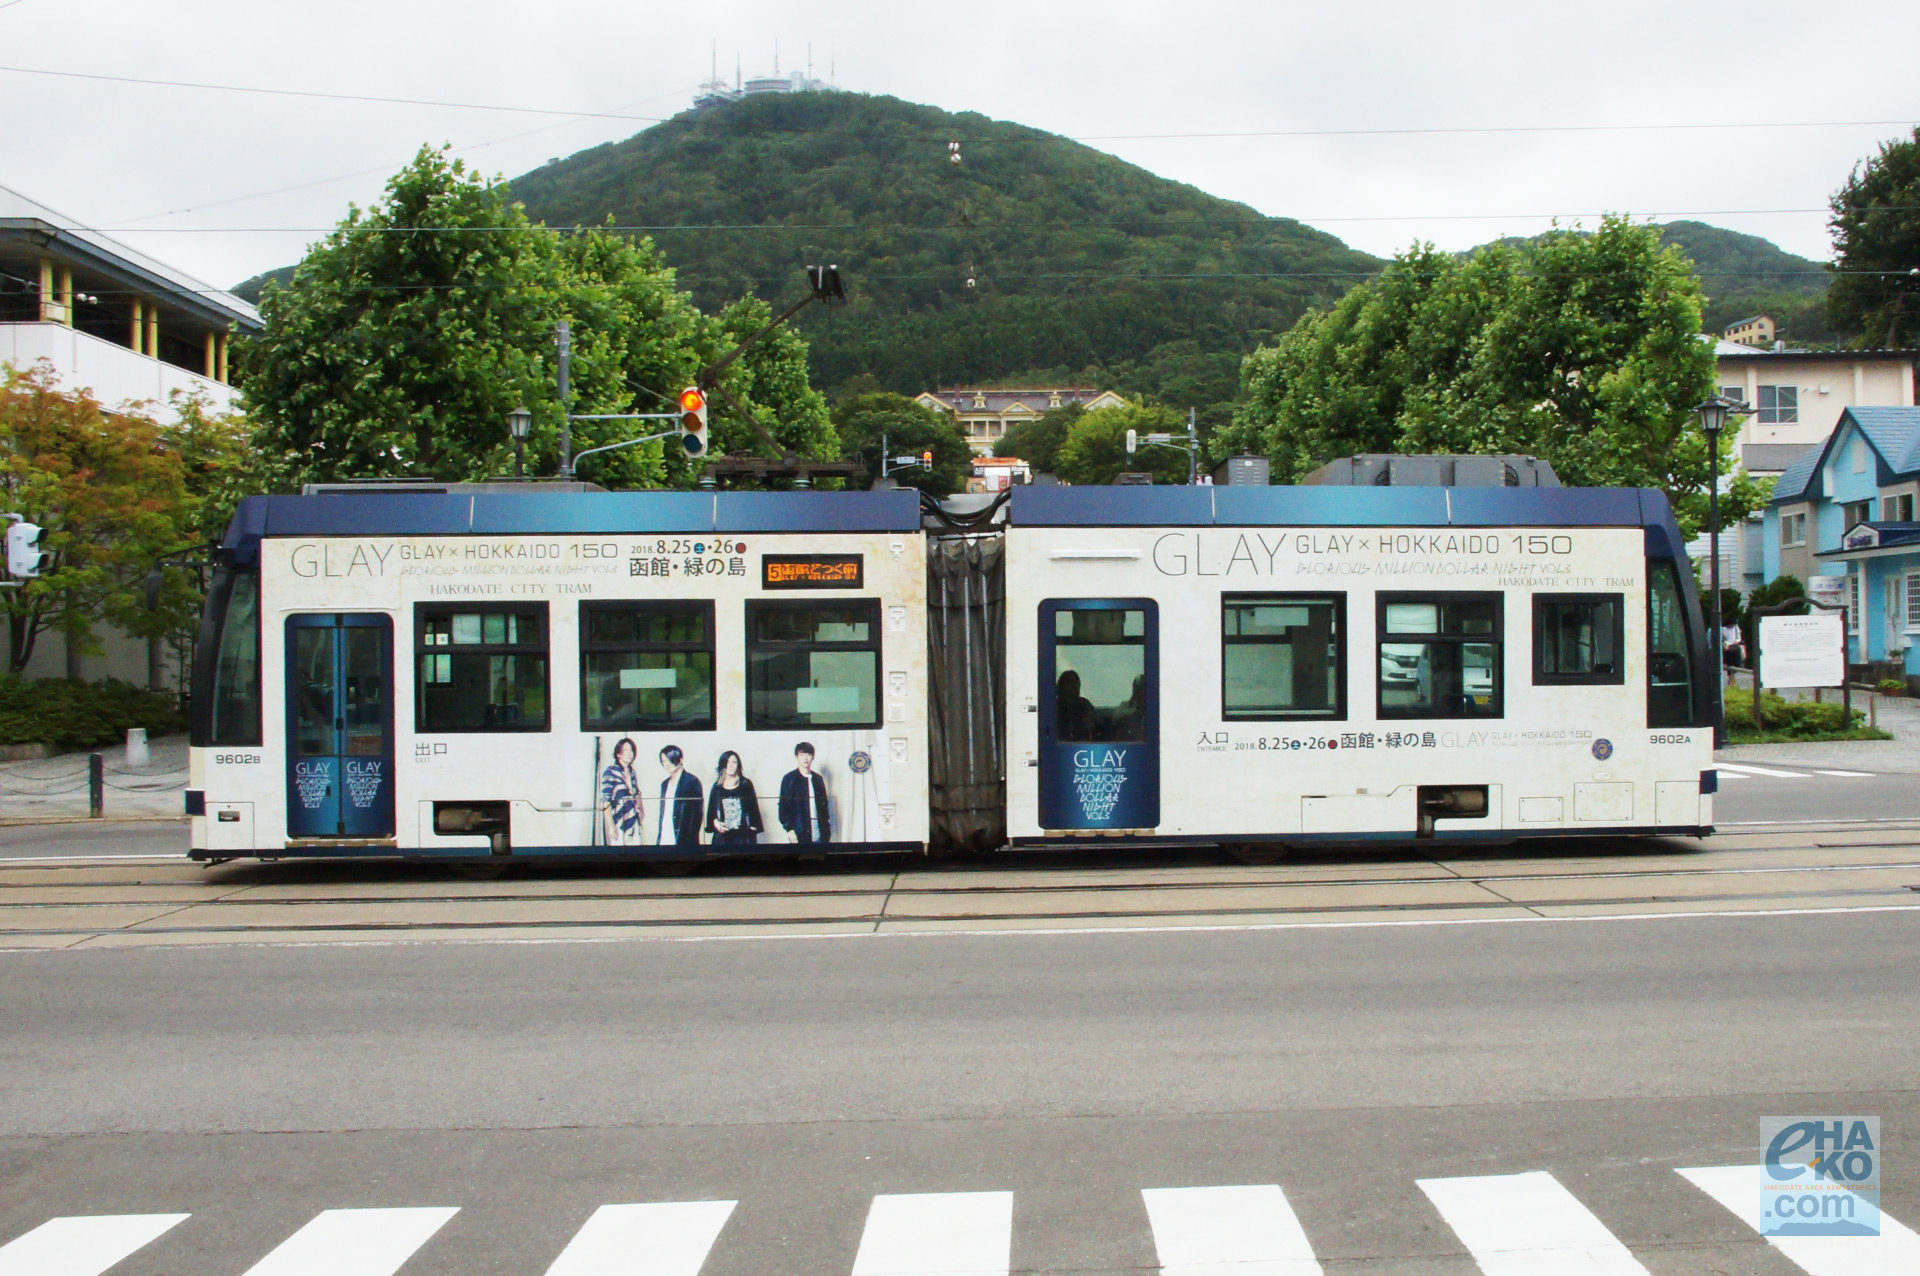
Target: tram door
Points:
(1099, 713)
(340, 726)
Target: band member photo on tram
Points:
(733, 808)
(680, 802)
(620, 797)
(803, 800)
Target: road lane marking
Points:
(1734, 775)
(660, 1238)
(1761, 770)
(1528, 1225)
(1228, 1231)
(82, 1245)
(1895, 1252)
(938, 1234)
(1857, 775)
(370, 1242)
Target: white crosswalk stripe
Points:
(1528, 1225)
(938, 1234)
(1851, 775)
(1741, 768)
(665, 1238)
(353, 1243)
(1895, 1252)
(1228, 1231)
(83, 1245)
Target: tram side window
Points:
(646, 666)
(1100, 684)
(235, 717)
(482, 668)
(1669, 655)
(1577, 639)
(813, 665)
(1440, 656)
(1282, 656)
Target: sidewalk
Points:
(50, 790)
(1899, 715)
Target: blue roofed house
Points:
(1846, 508)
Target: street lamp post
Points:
(520, 421)
(1713, 419)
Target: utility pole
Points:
(563, 338)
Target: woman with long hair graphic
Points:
(733, 808)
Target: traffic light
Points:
(24, 555)
(1133, 441)
(926, 460)
(693, 421)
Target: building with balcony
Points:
(108, 318)
(986, 415)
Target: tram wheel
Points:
(1258, 852)
(481, 872)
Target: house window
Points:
(483, 667)
(1913, 601)
(1793, 530)
(1853, 602)
(1282, 656)
(1779, 404)
(1440, 655)
(646, 666)
(813, 665)
(1854, 513)
(1737, 393)
(1577, 639)
(1859, 456)
(1897, 509)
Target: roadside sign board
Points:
(1802, 651)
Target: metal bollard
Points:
(96, 786)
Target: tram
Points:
(493, 672)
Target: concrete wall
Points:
(116, 375)
(124, 658)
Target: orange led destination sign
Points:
(811, 571)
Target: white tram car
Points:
(515, 671)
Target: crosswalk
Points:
(1526, 1224)
(1747, 771)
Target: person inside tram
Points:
(1130, 716)
(1072, 712)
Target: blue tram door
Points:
(1099, 713)
(340, 726)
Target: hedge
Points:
(1792, 720)
(77, 714)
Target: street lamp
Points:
(1713, 419)
(520, 421)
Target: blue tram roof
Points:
(1308, 506)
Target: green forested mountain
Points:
(1077, 260)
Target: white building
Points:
(1798, 395)
(986, 415)
(110, 319)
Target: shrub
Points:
(77, 714)
(1888, 687)
(1791, 719)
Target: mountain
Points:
(1746, 275)
(1031, 255)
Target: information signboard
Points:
(1802, 651)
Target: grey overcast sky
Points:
(226, 184)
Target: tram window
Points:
(1440, 656)
(1282, 656)
(482, 667)
(813, 665)
(1669, 654)
(646, 666)
(234, 718)
(1577, 639)
(1100, 684)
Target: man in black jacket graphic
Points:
(681, 802)
(803, 801)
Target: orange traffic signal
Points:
(693, 421)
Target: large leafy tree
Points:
(112, 497)
(1581, 348)
(907, 428)
(1875, 295)
(1095, 449)
(402, 341)
(770, 380)
(1037, 442)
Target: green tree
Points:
(909, 429)
(1581, 348)
(401, 342)
(1096, 447)
(112, 497)
(1037, 442)
(770, 380)
(1875, 294)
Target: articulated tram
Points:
(484, 672)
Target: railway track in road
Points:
(80, 903)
